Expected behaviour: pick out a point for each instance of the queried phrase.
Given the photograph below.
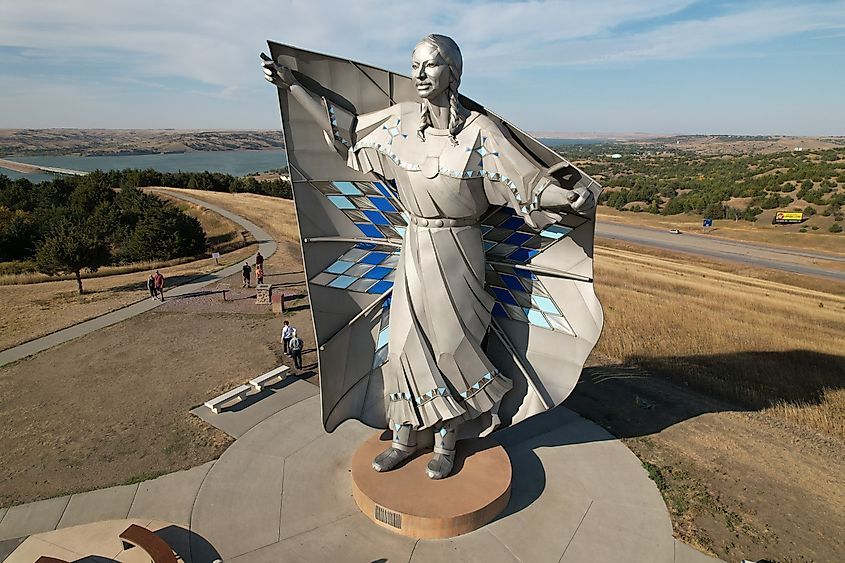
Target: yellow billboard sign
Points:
(788, 217)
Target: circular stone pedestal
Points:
(407, 502)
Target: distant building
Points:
(798, 149)
(616, 155)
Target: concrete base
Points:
(281, 493)
(407, 502)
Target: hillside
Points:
(106, 142)
(669, 178)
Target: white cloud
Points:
(102, 46)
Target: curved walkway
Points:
(282, 492)
(266, 245)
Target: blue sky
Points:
(659, 66)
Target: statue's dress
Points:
(437, 371)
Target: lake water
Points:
(236, 163)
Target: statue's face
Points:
(431, 73)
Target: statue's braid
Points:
(456, 120)
(425, 121)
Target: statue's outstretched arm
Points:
(282, 77)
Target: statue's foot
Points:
(390, 458)
(440, 465)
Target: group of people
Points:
(292, 344)
(155, 285)
(259, 271)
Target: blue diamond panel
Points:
(507, 237)
(521, 296)
(364, 268)
(383, 335)
(372, 206)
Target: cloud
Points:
(97, 47)
(687, 39)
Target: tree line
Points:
(670, 182)
(211, 181)
(76, 223)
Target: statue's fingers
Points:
(579, 203)
(265, 58)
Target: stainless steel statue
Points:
(486, 314)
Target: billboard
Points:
(787, 217)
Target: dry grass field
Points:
(730, 388)
(762, 344)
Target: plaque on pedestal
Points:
(263, 292)
(407, 502)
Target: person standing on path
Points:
(295, 347)
(247, 271)
(287, 333)
(259, 273)
(151, 286)
(159, 284)
(259, 260)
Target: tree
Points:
(70, 248)
(18, 234)
(163, 232)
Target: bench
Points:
(262, 381)
(155, 547)
(238, 392)
(223, 288)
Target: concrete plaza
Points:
(282, 492)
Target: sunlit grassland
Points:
(762, 344)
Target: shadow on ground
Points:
(627, 402)
(631, 402)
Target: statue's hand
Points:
(578, 199)
(277, 74)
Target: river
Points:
(236, 163)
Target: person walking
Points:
(151, 286)
(159, 284)
(247, 272)
(287, 334)
(295, 347)
(259, 273)
(259, 260)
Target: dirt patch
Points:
(112, 407)
(739, 484)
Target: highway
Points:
(798, 261)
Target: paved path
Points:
(786, 259)
(282, 492)
(266, 245)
